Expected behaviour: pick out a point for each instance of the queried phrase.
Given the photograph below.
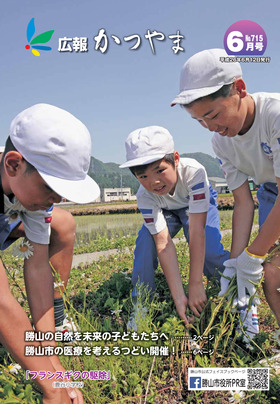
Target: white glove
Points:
(248, 268)
(229, 272)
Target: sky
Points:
(120, 90)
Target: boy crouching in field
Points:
(47, 156)
(246, 140)
(174, 193)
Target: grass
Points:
(101, 233)
(230, 194)
(99, 300)
(225, 219)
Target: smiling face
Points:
(228, 116)
(28, 186)
(160, 177)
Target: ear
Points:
(240, 87)
(176, 158)
(13, 162)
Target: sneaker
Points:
(138, 314)
(249, 326)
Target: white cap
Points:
(146, 145)
(58, 145)
(204, 74)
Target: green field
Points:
(99, 301)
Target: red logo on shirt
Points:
(48, 219)
(198, 197)
(149, 219)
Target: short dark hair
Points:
(224, 92)
(138, 170)
(10, 147)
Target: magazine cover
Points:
(132, 262)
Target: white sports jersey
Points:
(255, 154)
(191, 191)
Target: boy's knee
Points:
(272, 271)
(211, 251)
(144, 240)
(213, 246)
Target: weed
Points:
(98, 298)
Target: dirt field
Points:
(224, 203)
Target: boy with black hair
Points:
(247, 143)
(174, 193)
(47, 157)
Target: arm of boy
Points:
(247, 268)
(242, 219)
(39, 287)
(269, 231)
(197, 295)
(249, 262)
(243, 213)
(40, 293)
(14, 324)
(168, 260)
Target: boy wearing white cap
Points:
(247, 142)
(174, 193)
(46, 157)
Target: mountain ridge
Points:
(109, 175)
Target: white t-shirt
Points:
(191, 191)
(255, 154)
(36, 224)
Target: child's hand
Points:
(228, 274)
(71, 395)
(75, 395)
(249, 272)
(181, 307)
(59, 396)
(197, 298)
(63, 396)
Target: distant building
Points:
(116, 194)
(220, 185)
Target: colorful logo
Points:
(42, 38)
(245, 37)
